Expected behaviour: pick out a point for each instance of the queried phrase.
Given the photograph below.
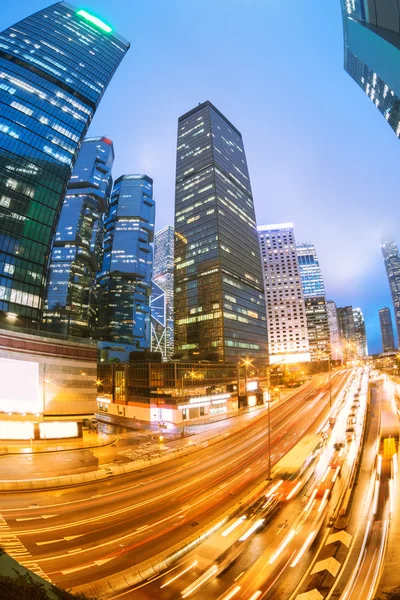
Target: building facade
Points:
(334, 331)
(76, 257)
(391, 257)
(286, 313)
(372, 53)
(163, 277)
(54, 67)
(158, 320)
(219, 296)
(124, 282)
(360, 334)
(386, 325)
(315, 303)
(347, 331)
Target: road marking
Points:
(34, 518)
(342, 536)
(96, 563)
(67, 538)
(312, 595)
(329, 564)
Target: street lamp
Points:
(246, 363)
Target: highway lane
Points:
(140, 514)
(271, 552)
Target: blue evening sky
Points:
(319, 153)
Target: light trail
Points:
(194, 586)
(252, 529)
(179, 575)
(233, 526)
(303, 549)
(294, 490)
(323, 501)
(256, 595)
(281, 548)
(232, 593)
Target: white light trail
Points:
(252, 529)
(379, 465)
(336, 474)
(189, 590)
(286, 541)
(256, 595)
(232, 593)
(391, 496)
(273, 489)
(309, 503)
(294, 490)
(325, 475)
(233, 526)
(303, 549)
(179, 574)
(323, 501)
(376, 496)
(395, 463)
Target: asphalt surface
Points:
(78, 535)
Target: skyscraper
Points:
(286, 315)
(158, 320)
(347, 332)
(391, 257)
(219, 295)
(360, 335)
(310, 270)
(125, 278)
(315, 303)
(77, 250)
(334, 332)
(387, 335)
(54, 67)
(164, 278)
(371, 31)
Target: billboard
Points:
(19, 387)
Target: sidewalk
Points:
(89, 440)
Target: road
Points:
(82, 534)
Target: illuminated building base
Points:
(45, 430)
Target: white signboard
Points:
(19, 386)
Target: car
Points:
(338, 445)
(351, 420)
(354, 407)
(350, 434)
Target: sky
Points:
(320, 155)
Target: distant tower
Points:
(219, 295)
(360, 334)
(164, 278)
(77, 249)
(347, 331)
(386, 324)
(286, 314)
(125, 278)
(315, 303)
(55, 67)
(334, 331)
(391, 256)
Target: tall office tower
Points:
(387, 335)
(77, 251)
(391, 257)
(315, 303)
(286, 314)
(360, 334)
(334, 332)
(158, 320)
(347, 332)
(124, 281)
(372, 52)
(164, 278)
(219, 295)
(54, 68)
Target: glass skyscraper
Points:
(77, 251)
(372, 53)
(334, 331)
(158, 320)
(347, 332)
(125, 280)
(164, 278)
(387, 335)
(315, 303)
(219, 294)
(391, 257)
(360, 334)
(54, 68)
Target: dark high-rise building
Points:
(54, 68)
(360, 334)
(125, 279)
(334, 331)
(347, 332)
(372, 52)
(164, 278)
(77, 251)
(219, 294)
(391, 257)
(387, 335)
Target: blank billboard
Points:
(19, 386)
